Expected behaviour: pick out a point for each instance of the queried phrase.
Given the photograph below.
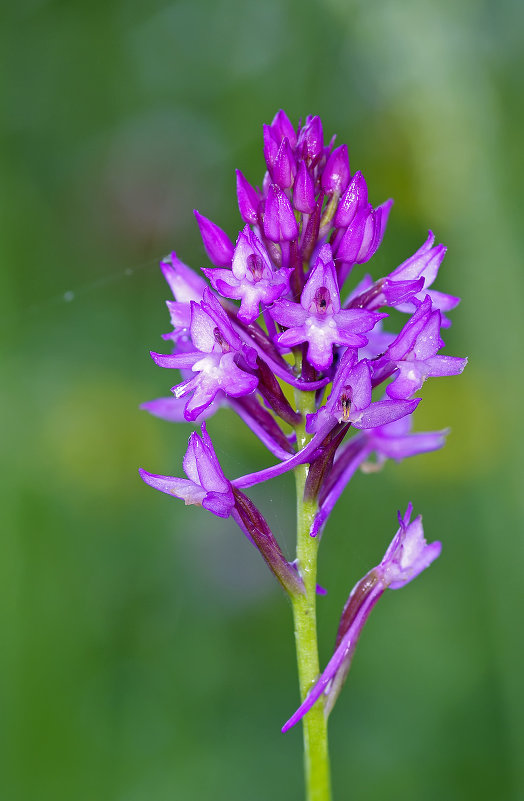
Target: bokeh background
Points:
(145, 653)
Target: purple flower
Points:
(425, 264)
(350, 400)
(407, 556)
(252, 278)
(205, 485)
(318, 318)
(413, 354)
(217, 350)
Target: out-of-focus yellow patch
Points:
(475, 445)
(94, 436)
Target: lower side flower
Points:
(407, 556)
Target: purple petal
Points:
(311, 139)
(445, 365)
(383, 412)
(284, 167)
(180, 314)
(402, 447)
(202, 329)
(358, 320)
(354, 198)
(335, 176)
(223, 281)
(184, 283)
(409, 379)
(175, 360)
(282, 126)
(248, 201)
(217, 244)
(357, 234)
(380, 221)
(409, 554)
(204, 389)
(323, 275)
(304, 190)
(271, 144)
(407, 337)
(218, 504)
(288, 313)
(425, 262)
(293, 336)
(172, 409)
(359, 380)
(428, 341)
(181, 488)
(207, 464)
(279, 220)
(441, 301)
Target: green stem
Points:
(316, 757)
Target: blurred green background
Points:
(146, 653)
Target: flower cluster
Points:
(275, 313)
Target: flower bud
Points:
(335, 176)
(357, 237)
(247, 200)
(271, 145)
(304, 190)
(218, 245)
(284, 167)
(354, 198)
(364, 235)
(311, 139)
(280, 224)
(282, 127)
(380, 221)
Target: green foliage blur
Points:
(146, 653)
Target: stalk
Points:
(316, 757)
